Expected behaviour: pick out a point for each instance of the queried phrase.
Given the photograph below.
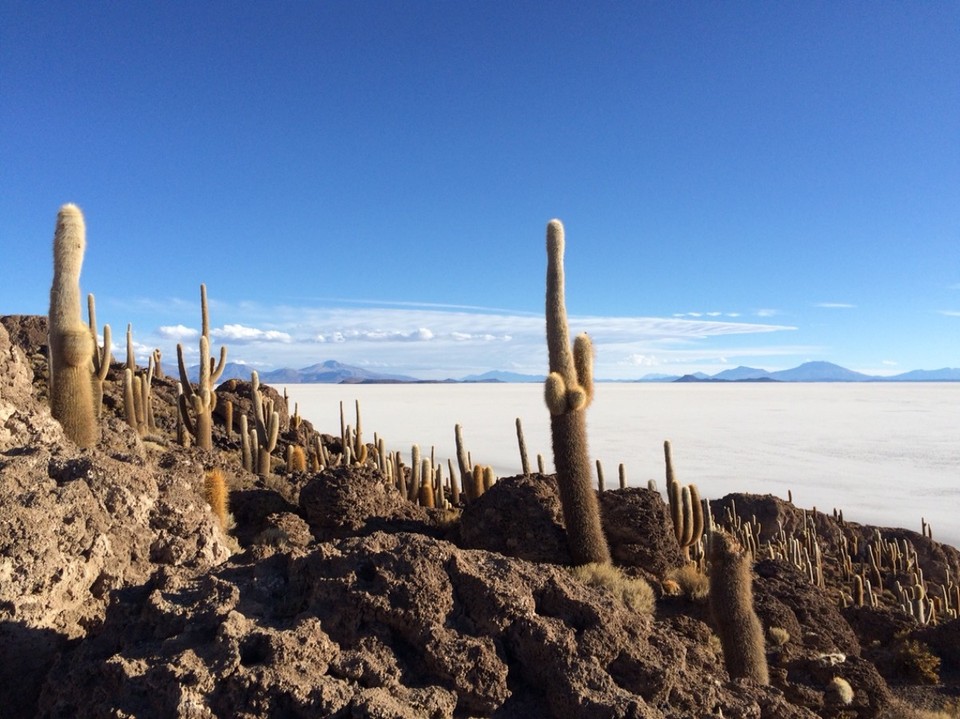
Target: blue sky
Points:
(741, 183)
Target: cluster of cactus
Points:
(258, 442)
(476, 478)
(568, 392)
(137, 400)
(422, 482)
(887, 562)
(621, 475)
(686, 509)
(196, 406)
(871, 570)
(351, 439)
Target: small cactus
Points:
(524, 460)
(426, 493)
(215, 492)
(296, 459)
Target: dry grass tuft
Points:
(778, 636)
(840, 691)
(901, 710)
(692, 583)
(634, 592)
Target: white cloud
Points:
(643, 360)
(178, 332)
(431, 342)
(890, 363)
(950, 313)
(767, 313)
(422, 334)
(834, 305)
(242, 333)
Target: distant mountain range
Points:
(810, 372)
(501, 376)
(333, 372)
(329, 372)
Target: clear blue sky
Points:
(742, 183)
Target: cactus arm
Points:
(104, 358)
(182, 367)
(101, 358)
(558, 334)
(182, 405)
(218, 370)
(555, 394)
(129, 401)
(131, 359)
(260, 422)
(583, 364)
(462, 459)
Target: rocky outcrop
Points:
(121, 595)
(76, 525)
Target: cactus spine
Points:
(70, 340)
(568, 391)
(731, 603)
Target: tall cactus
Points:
(568, 391)
(200, 402)
(71, 343)
(101, 357)
(731, 603)
(204, 400)
(267, 425)
(686, 511)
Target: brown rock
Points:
(518, 517)
(345, 501)
(639, 531)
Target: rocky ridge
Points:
(121, 595)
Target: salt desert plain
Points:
(885, 453)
